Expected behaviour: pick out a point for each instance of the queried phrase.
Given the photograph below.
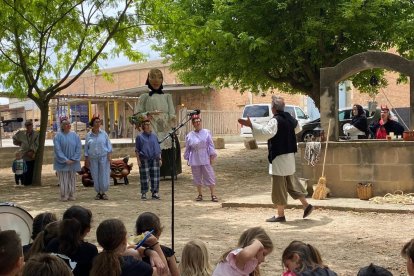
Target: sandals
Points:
(199, 198)
(214, 198)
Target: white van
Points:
(262, 113)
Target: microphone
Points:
(193, 112)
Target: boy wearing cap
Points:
(148, 152)
(28, 140)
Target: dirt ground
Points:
(347, 240)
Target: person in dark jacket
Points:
(302, 259)
(281, 142)
(358, 127)
(386, 125)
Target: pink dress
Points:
(229, 267)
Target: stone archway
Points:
(331, 76)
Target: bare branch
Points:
(58, 86)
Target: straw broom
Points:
(321, 190)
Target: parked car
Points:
(262, 113)
(309, 130)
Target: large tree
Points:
(259, 45)
(43, 42)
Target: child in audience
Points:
(195, 260)
(19, 168)
(39, 223)
(408, 253)
(46, 265)
(148, 221)
(253, 246)
(39, 245)
(373, 270)
(70, 244)
(112, 236)
(11, 254)
(302, 259)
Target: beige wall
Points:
(387, 164)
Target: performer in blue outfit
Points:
(67, 147)
(148, 153)
(98, 157)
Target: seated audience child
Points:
(253, 246)
(46, 265)
(408, 253)
(39, 245)
(148, 221)
(70, 244)
(39, 223)
(195, 260)
(373, 270)
(112, 236)
(11, 254)
(302, 259)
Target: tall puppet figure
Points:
(160, 109)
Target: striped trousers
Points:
(67, 184)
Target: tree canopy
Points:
(259, 45)
(43, 42)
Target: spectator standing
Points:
(67, 148)
(19, 168)
(98, 157)
(28, 141)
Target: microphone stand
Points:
(172, 135)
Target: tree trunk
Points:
(315, 94)
(44, 116)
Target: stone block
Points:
(250, 144)
(218, 142)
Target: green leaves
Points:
(45, 41)
(268, 44)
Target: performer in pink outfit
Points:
(200, 153)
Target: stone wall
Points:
(388, 165)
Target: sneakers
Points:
(276, 219)
(143, 196)
(308, 210)
(155, 196)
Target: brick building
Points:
(130, 80)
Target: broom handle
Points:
(326, 148)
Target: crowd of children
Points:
(59, 248)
